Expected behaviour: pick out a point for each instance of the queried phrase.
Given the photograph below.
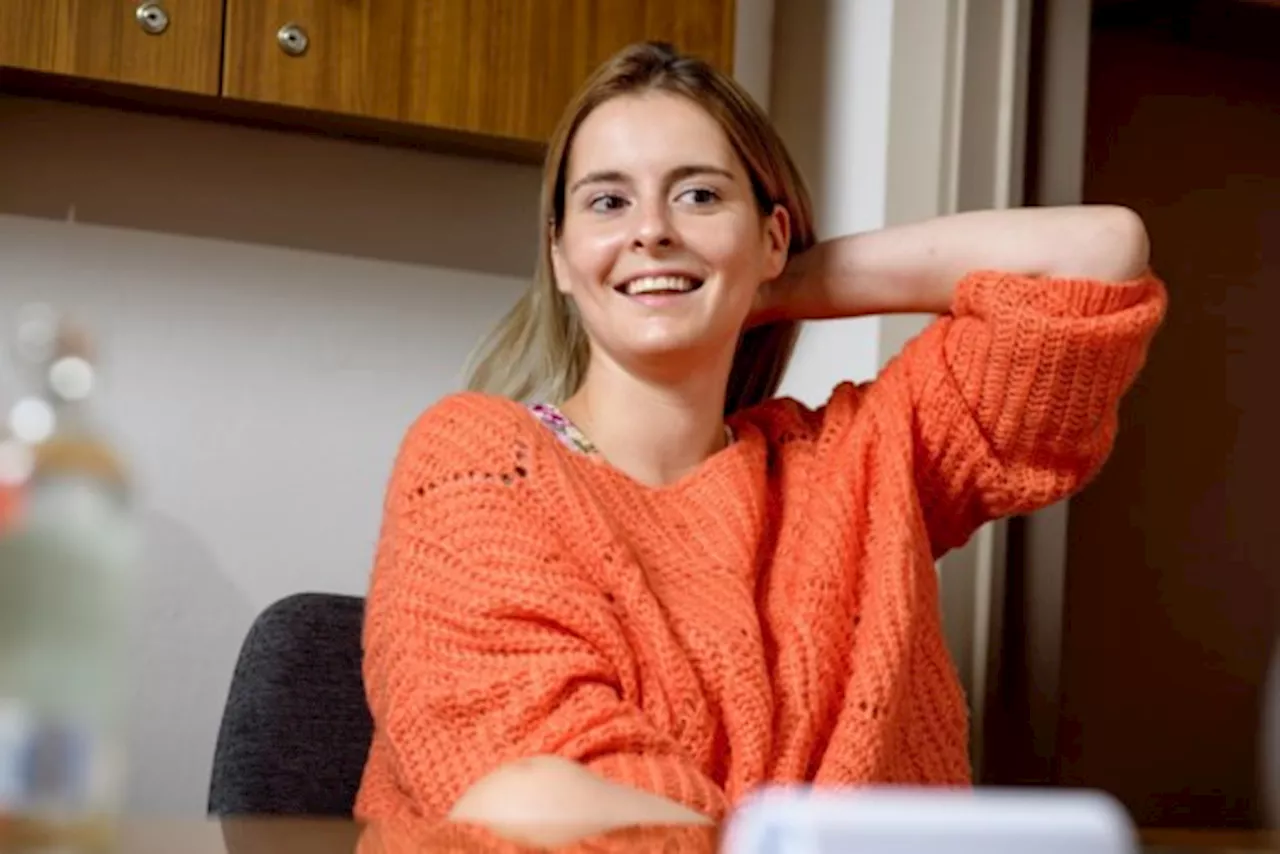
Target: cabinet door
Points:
(496, 67)
(171, 44)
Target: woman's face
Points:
(662, 246)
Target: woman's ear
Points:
(557, 262)
(777, 235)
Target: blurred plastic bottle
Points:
(68, 549)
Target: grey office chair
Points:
(296, 729)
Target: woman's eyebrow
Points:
(613, 176)
(696, 169)
(609, 176)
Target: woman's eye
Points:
(699, 196)
(607, 203)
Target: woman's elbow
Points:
(1112, 245)
(1132, 242)
(1115, 243)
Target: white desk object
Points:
(894, 820)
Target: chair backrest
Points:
(296, 729)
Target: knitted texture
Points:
(771, 617)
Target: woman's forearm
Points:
(915, 268)
(546, 800)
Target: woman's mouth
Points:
(659, 286)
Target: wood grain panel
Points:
(101, 40)
(34, 34)
(496, 67)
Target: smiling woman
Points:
(663, 245)
(661, 252)
(618, 583)
(658, 136)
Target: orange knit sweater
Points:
(771, 617)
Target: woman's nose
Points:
(653, 228)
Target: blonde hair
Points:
(540, 350)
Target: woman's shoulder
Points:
(475, 413)
(467, 429)
(786, 420)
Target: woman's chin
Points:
(690, 351)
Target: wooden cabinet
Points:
(491, 75)
(110, 40)
(496, 67)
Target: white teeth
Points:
(659, 284)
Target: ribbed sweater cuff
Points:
(668, 777)
(985, 291)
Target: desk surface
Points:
(301, 836)
(1208, 841)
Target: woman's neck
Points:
(654, 432)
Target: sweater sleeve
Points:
(1014, 396)
(483, 645)
(415, 836)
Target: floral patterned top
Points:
(568, 433)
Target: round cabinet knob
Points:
(293, 39)
(152, 17)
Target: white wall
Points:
(275, 309)
(830, 101)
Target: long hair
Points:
(539, 350)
